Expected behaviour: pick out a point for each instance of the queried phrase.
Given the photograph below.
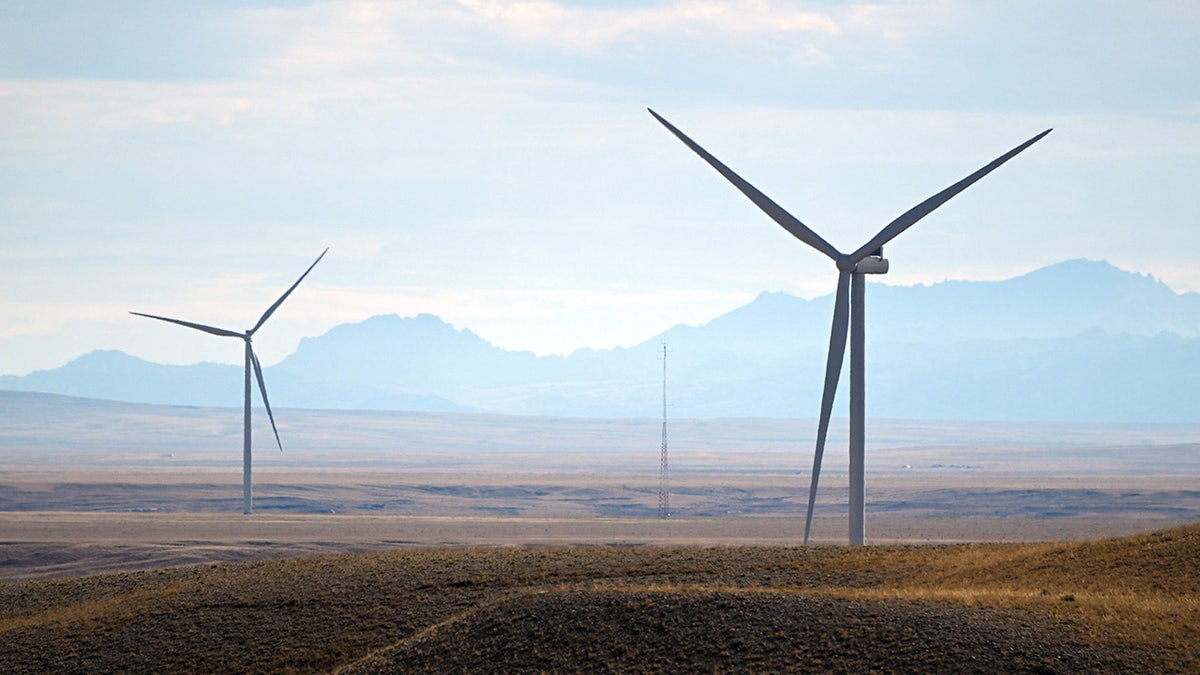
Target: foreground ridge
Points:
(1115, 604)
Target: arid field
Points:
(402, 542)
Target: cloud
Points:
(347, 37)
(329, 38)
(106, 105)
(901, 22)
(589, 30)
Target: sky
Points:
(493, 162)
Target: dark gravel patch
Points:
(720, 631)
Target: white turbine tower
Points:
(848, 313)
(251, 362)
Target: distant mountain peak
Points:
(1077, 339)
(1086, 271)
(423, 326)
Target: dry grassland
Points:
(1116, 605)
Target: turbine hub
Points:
(844, 264)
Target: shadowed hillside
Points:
(1115, 605)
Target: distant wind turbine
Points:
(251, 361)
(849, 313)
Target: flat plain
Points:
(89, 486)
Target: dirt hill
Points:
(1115, 605)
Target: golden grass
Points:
(1142, 588)
(1138, 595)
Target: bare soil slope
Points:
(1116, 605)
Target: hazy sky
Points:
(493, 162)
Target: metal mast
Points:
(664, 509)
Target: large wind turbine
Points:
(251, 361)
(848, 313)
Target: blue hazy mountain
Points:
(110, 374)
(1080, 340)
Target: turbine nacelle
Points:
(872, 264)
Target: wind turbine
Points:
(849, 313)
(251, 361)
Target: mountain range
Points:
(1077, 341)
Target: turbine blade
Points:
(926, 207)
(271, 310)
(789, 222)
(833, 372)
(262, 388)
(198, 326)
